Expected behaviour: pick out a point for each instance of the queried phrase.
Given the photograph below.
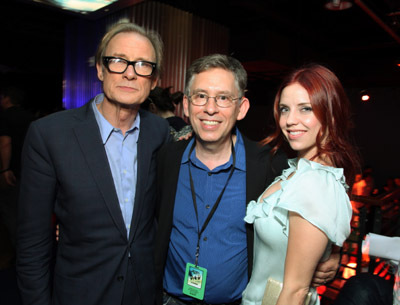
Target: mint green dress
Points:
(318, 194)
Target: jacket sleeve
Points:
(35, 235)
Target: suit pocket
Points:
(69, 290)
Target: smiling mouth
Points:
(210, 123)
(295, 133)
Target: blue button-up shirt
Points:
(122, 157)
(223, 246)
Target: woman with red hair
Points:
(306, 210)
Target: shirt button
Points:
(120, 278)
(126, 199)
(207, 206)
(205, 238)
(209, 174)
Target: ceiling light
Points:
(364, 96)
(82, 6)
(338, 5)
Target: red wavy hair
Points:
(332, 108)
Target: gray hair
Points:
(217, 61)
(127, 27)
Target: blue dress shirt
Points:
(122, 157)
(223, 246)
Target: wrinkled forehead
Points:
(131, 44)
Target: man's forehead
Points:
(126, 42)
(214, 79)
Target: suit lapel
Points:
(172, 163)
(144, 155)
(169, 167)
(88, 135)
(252, 170)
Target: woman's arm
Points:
(306, 246)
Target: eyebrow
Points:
(304, 104)
(195, 91)
(301, 104)
(126, 57)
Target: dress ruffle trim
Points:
(263, 208)
(255, 210)
(304, 164)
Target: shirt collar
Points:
(239, 149)
(105, 127)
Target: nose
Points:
(291, 118)
(130, 72)
(211, 106)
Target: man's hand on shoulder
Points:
(326, 271)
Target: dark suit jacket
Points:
(66, 172)
(261, 169)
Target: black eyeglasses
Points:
(223, 101)
(119, 65)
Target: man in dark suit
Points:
(203, 187)
(94, 168)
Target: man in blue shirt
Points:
(203, 246)
(94, 167)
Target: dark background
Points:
(270, 37)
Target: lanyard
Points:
(199, 232)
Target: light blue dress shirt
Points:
(122, 157)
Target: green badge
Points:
(195, 281)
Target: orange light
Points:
(321, 290)
(348, 272)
